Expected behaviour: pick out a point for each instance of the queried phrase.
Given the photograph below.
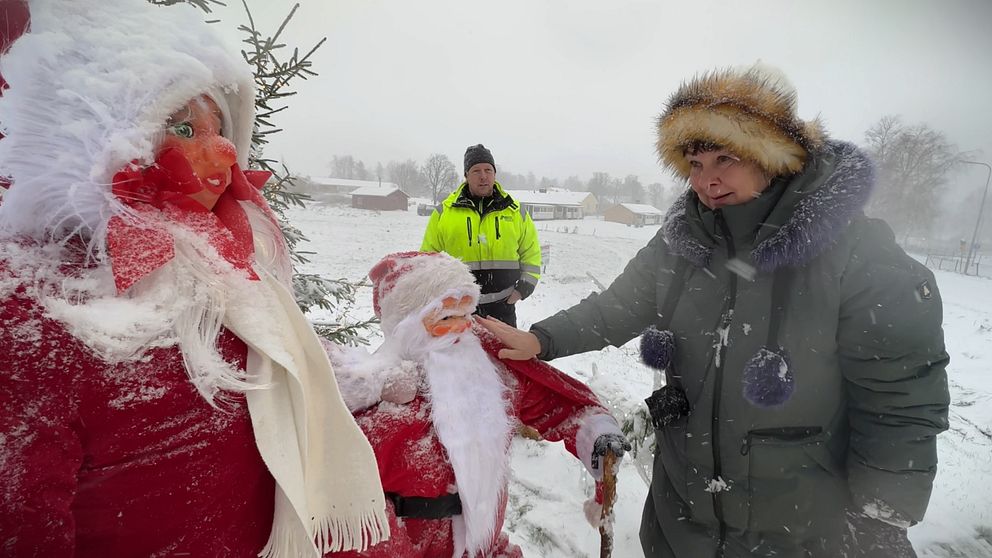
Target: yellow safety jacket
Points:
(493, 236)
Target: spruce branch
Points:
(273, 77)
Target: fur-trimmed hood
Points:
(91, 86)
(751, 112)
(814, 210)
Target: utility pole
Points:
(978, 222)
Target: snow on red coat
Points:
(124, 460)
(414, 463)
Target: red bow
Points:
(162, 191)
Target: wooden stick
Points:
(609, 497)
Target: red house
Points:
(384, 198)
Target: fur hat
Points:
(751, 112)
(476, 154)
(406, 282)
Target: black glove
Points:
(614, 443)
(872, 538)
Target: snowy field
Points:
(549, 486)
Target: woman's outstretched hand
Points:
(522, 345)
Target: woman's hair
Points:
(695, 147)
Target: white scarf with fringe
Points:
(328, 492)
(328, 496)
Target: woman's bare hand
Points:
(522, 345)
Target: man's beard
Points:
(181, 304)
(470, 411)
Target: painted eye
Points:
(183, 130)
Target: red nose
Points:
(223, 151)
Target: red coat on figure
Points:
(128, 460)
(419, 401)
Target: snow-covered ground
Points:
(549, 486)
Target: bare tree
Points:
(913, 165)
(440, 173)
(343, 166)
(574, 183)
(407, 175)
(656, 194)
(631, 189)
(362, 173)
(601, 185)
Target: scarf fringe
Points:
(286, 541)
(337, 534)
(332, 534)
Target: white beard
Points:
(182, 304)
(469, 409)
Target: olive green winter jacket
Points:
(859, 325)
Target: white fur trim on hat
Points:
(406, 282)
(91, 86)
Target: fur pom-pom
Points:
(768, 379)
(657, 348)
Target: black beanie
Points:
(476, 154)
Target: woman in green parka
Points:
(802, 348)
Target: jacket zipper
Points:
(718, 388)
(784, 433)
(468, 225)
(497, 227)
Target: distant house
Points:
(542, 204)
(635, 214)
(380, 198)
(330, 185)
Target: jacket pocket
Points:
(795, 486)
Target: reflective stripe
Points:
(528, 279)
(493, 264)
(530, 268)
(495, 297)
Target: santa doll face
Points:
(452, 317)
(195, 130)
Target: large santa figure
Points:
(440, 411)
(161, 392)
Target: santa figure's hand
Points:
(402, 383)
(613, 443)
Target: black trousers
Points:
(506, 313)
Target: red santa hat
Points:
(407, 282)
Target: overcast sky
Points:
(562, 87)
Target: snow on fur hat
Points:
(91, 86)
(406, 282)
(751, 112)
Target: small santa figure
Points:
(439, 410)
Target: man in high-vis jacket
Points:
(480, 224)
